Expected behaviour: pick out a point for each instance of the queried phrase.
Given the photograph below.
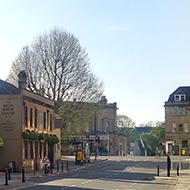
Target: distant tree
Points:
(159, 124)
(124, 121)
(58, 68)
(153, 137)
(148, 124)
(126, 126)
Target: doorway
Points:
(50, 153)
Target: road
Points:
(118, 173)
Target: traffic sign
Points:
(46, 161)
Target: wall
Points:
(10, 130)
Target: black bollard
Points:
(23, 174)
(157, 170)
(6, 177)
(67, 164)
(35, 168)
(45, 169)
(9, 173)
(51, 168)
(168, 166)
(177, 170)
(57, 167)
(62, 165)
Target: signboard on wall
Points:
(8, 116)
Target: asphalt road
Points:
(118, 173)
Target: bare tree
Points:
(58, 68)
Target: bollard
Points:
(62, 165)
(57, 167)
(45, 169)
(6, 177)
(34, 168)
(51, 168)
(23, 175)
(177, 170)
(67, 164)
(168, 166)
(157, 170)
(9, 173)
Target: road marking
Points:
(85, 182)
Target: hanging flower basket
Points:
(31, 135)
(51, 139)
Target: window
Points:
(174, 111)
(179, 97)
(180, 111)
(26, 116)
(26, 149)
(36, 119)
(31, 117)
(31, 150)
(40, 150)
(182, 97)
(174, 127)
(41, 120)
(186, 128)
(47, 119)
(51, 122)
(44, 120)
(180, 127)
(185, 111)
(184, 144)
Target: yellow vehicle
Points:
(83, 153)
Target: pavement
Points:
(16, 179)
(182, 180)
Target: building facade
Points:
(27, 127)
(177, 121)
(105, 127)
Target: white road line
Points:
(85, 182)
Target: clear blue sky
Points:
(139, 48)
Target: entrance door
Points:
(50, 152)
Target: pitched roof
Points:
(180, 90)
(7, 88)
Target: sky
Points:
(139, 48)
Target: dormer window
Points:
(179, 97)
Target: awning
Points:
(1, 142)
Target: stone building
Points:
(105, 127)
(27, 127)
(177, 121)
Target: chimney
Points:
(22, 80)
